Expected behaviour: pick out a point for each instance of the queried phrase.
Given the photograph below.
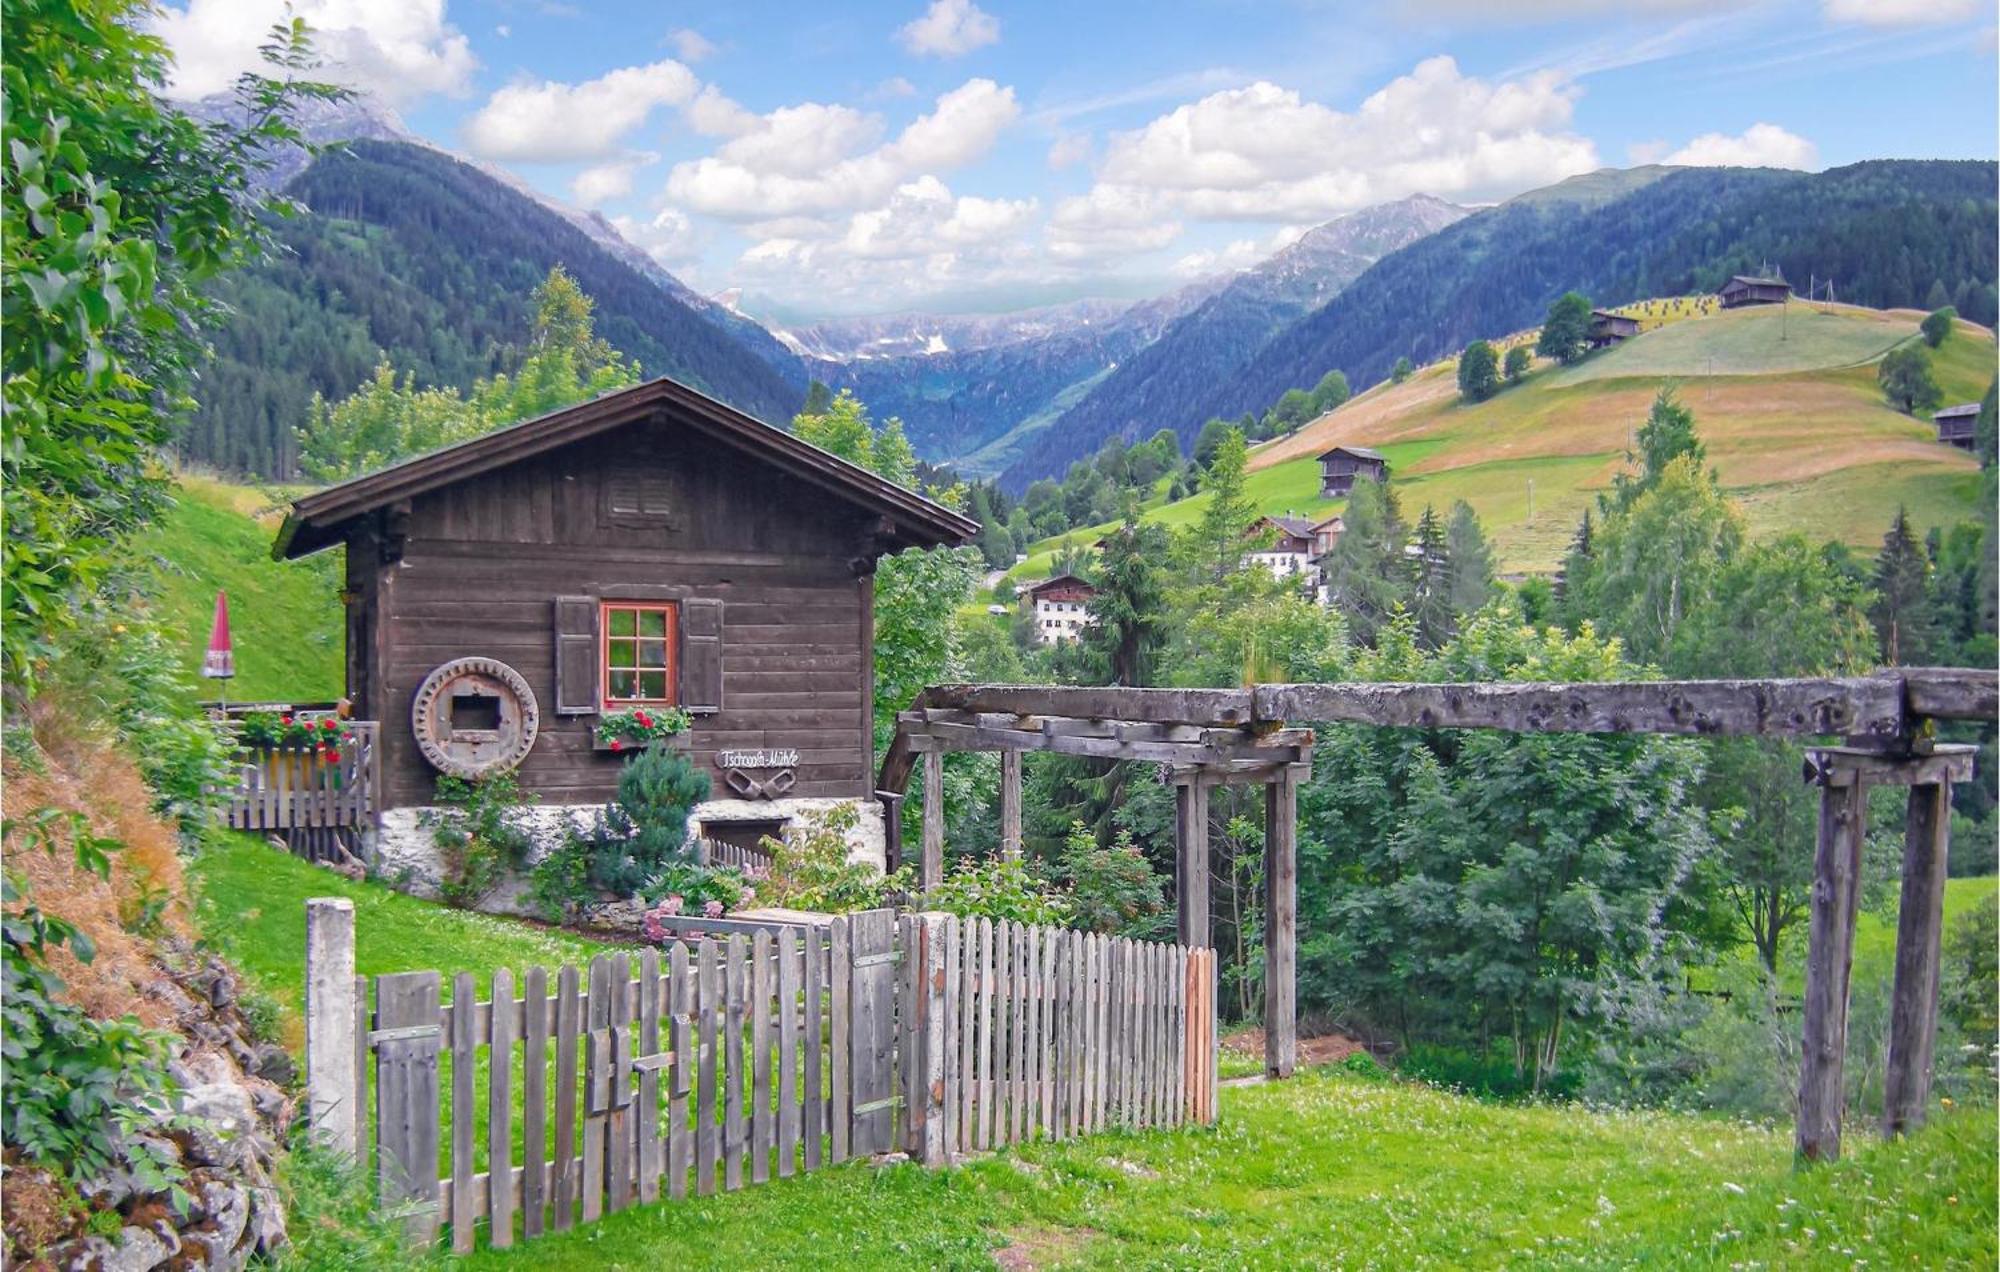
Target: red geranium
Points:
(645, 721)
(616, 745)
(333, 757)
(327, 723)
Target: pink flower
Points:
(712, 910)
(749, 895)
(616, 745)
(673, 903)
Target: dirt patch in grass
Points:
(1330, 1048)
(1031, 1248)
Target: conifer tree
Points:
(1430, 582)
(1128, 615)
(1904, 620)
(1216, 545)
(1366, 578)
(1471, 560)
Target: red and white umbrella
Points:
(220, 661)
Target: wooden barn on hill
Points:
(1746, 289)
(1340, 466)
(1958, 425)
(1608, 328)
(649, 549)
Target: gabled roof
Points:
(320, 519)
(1333, 520)
(1060, 580)
(1960, 411)
(1297, 527)
(1752, 280)
(1359, 452)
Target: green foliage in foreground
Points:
(1330, 1169)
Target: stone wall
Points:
(405, 855)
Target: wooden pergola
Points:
(1885, 723)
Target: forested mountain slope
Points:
(1888, 232)
(410, 254)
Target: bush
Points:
(998, 888)
(623, 849)
(1905, 377)
(1517, 363)
(1478, 372)
(1482, 1074)
(480, 834)
(1112, 890)
(1937, 326)
(810, 869)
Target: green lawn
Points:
(286, 616)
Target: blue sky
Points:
(971, 154)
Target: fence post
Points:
(929, 1139)
(332, 1056)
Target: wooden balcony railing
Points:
(292, 788)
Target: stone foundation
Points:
(404, 854)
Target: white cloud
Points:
(1759, 146)
(949, 28)
(1069, 149)
(1108, 222)
(1901, 12)
(1238, 253)
(714, 115)
(607, 181)
(690, 45)
(503, 30)
(1264, 153)
(548, 120)
(814, 159)
(668, 236)
(890, 89)
(400, 50)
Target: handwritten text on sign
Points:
(787, 758)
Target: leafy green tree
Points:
(1401, 371)
(1470, 559)
(1905, 376)
(1937, 325)
(1330, 392)
(1215, 543)
(1206, 441)
(116, 212)
(1365, 576)
(1478, 372)
(1517, 363)
(1904, 622)
(1128, 615)
(1657, 561)
(1292, 410)
(1566, 331)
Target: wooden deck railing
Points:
(288, 788)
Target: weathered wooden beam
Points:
(1160, 706)
(1836, 897)
(1240, 772)
(1952, 693)
(1868, 706)
(1906, 1082)
(969, 737)
(1843, 765)
(1191, 852)
(930, 871)
(1281, 914)
(1010, 804)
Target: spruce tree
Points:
(1471, 560)
(1366, 577)
(1575, 569)
(1218, 536)
(1429, 569)
(1128, 615)
(1904, 620)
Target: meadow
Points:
(1332, 1168)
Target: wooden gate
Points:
(726, 1061)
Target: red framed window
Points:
(641, 663)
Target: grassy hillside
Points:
(286, 616)
(1785, 400)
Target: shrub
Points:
(480, 834)
(625, 847)
(1113, 890)
(688, 887)
(1360, 1064)
(999, 888)
(1937, 325)
(810, 869)
(1478, 372)
(1517, 362)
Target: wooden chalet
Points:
(1957, 425)
(1746, 289)
(649, 549)
(1327, 533)
(1608, 328)
(1293, 535)
(1340, 466)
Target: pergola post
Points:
(1010, 804)
(1191, 853)
(930, 870)
(1836, 898)
(1844, 775)
(1281, 911)
(1906, 1083)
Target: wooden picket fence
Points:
(285, 789)
(726, 1061)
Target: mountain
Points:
(1888, 232)
(1785, 402)
(410, 254)
(1207, 345)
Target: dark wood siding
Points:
(486, 559)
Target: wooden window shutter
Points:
(576, 655)
(701, 655)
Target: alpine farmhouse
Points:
(652, 548)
